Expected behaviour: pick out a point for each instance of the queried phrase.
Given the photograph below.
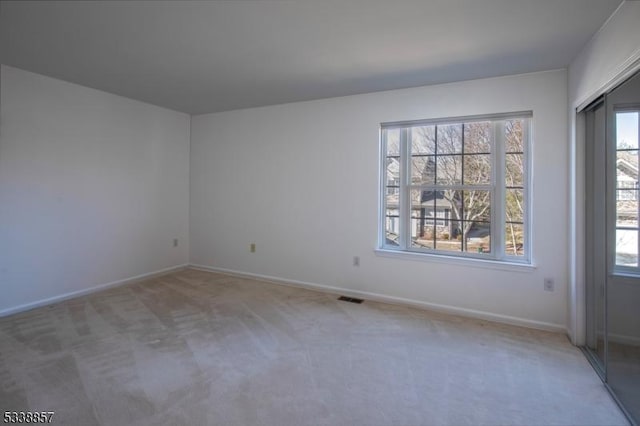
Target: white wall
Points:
(610, 56)
(614, 48)
(301, 181)
(93, 188)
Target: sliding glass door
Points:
(613, 242)
(623, 285)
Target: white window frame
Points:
(620, 269)
(497, 188)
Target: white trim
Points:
(577, 310)
(377, 297)
(84, 292)
(625, 70)
(457, 260)
(382, 181)
(499, 116)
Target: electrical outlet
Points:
(356, 260)
(548, 284)
(175, 242)
(252, 247)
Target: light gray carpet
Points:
(196, 348)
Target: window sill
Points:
(470, 262)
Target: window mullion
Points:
(405, 190)
(444, 187)
(382, 220)
(526, 191)
(498, 195)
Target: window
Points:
(627, 135)
(457, 187)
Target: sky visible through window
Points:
(627, 129)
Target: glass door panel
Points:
(623, 284)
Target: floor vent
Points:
(350, 299)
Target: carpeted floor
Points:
(199, 348)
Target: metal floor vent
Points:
(350, 299)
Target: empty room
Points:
(292, 212)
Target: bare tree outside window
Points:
(514, 185)
(450, 157)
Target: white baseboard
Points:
(470, 313)
(78, 293)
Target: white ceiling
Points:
(200, 57)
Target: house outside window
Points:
(457, 187)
